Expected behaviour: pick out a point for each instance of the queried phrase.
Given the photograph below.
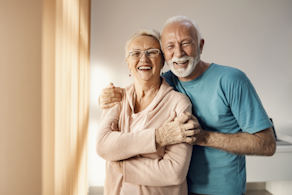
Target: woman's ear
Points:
(128, 64)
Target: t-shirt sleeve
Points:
(246, 106)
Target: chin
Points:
(184, 72)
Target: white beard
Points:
(184, 72)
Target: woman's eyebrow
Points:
(146, 48)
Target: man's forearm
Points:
(261, 143)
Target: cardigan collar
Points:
(164, 89)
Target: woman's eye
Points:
(135, 54)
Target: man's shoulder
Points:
(168, 75)
(229, 74)
(171, 79)
(227, 70)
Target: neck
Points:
(147, 89)
(200, 68)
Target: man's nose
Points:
(178, 51)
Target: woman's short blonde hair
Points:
(142, 32)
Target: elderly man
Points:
(232, 120)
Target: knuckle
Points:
(196, 124)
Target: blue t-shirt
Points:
(225, 101)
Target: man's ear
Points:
(202, 42)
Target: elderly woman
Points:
(146, 105)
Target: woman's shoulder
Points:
(179, 97)
(172, 95)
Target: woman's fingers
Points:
(114, 127)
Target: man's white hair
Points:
(142, 32)
(175, 19)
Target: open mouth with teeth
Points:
(144, 68)
(181, 63)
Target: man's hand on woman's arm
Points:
(110, 96)
(177, 130)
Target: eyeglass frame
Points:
(159, 51)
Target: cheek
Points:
(132, 65)
(168, 56)
(156, 63)
(193, 52)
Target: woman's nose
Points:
(144, 57)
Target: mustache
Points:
(181, 59)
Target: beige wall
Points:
(44, 94)
(20, 97)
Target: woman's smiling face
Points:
(144, 68)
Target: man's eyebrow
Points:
(187, 39)
(170, 42)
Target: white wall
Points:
(254, 36)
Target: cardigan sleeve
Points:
(170, 170)
(116, 145)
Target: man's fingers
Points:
(191, 125)
(109, 100)
(182, 119)
(120, 90)
(190, 133)
(112, 92)
(191, 116)
(106, 106)
(191, 140)
(171, 117)
(107, 93)
(110, 85)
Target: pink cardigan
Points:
(153, 171)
